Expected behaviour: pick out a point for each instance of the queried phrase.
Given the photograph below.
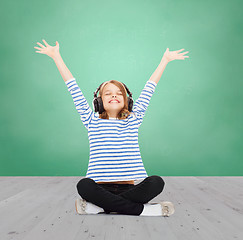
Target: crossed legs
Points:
(129, 202)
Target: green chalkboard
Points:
(193, 125)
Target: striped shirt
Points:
(114, 149)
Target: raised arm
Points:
(142, 102)
(79, 100)
(167, 57)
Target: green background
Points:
(193, 125)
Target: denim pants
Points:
(121, 198)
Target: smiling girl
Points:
(115, 161)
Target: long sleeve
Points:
(80, 102)
(142, 102)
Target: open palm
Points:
(173, 55)
(48, 49)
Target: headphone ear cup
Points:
(95, 105)
(130, 103)
(100, 105)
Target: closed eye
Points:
(109, 93)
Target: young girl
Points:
(115, 162)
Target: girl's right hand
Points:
(48, 50)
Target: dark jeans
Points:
(121, 198)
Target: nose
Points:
(113, 98)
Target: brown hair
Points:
(124, 113)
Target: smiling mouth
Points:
(114, 101)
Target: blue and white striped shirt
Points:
(114, 149)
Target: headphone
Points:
(98, 103)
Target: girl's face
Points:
(113, 100)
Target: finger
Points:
(39, 52)
(180, 50)
(184, 52)
(38, 48)
(40, 45)
(45, 42)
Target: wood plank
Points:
(232, 186)
(44, 208)
(206, 206)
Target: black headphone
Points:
(98, 103)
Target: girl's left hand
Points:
(173, 55)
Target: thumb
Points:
(57, 43)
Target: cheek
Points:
(105, 99)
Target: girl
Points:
(115, 162)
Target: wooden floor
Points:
(41, 208)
